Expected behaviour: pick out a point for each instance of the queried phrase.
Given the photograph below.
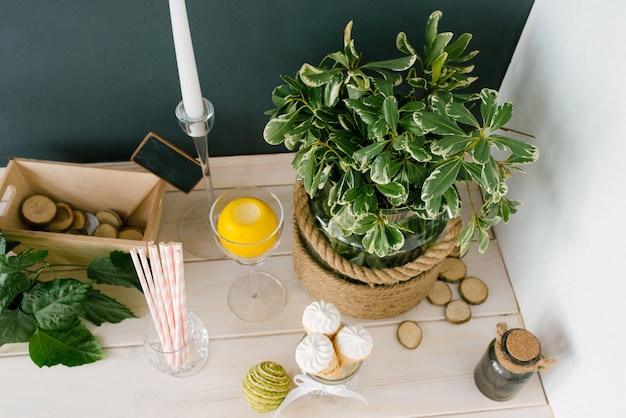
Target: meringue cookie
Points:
(321, 317)
(315, 354)
(353, 344)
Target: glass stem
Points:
(202, 147)
(254, 284)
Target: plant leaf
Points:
(441, 179)
(116, 269)
(17, 327)
(71, 346)
(450, 145)
(380, 171)
(11, 285)
(100, 308)
(390, 112)
(55, 304)
(432, 27)
(488, 105)
(437, 124)
(275, 130)
(366, 154)
(481, 151)
(314, 76)
(501, 116)
(396, 64)
(523, 152)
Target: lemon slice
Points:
(246, 225)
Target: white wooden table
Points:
(434, 380)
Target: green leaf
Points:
(417, 152)
(55, 304)
(390, 112)
(100, 308)
(375, 241)
(17, 327)
(483, 240)
(523, 151)
(116, 269)
(365, 223)
(435, 50)
(461, 114)
(364, 155)
(456, 48)
(395, 191)
(432, 27)
(380, 170)
(437, 65)
(453, 201)
(490, 176)
(467, 235)
(367, 115)
(314, 76)
(488, 105)
(481, 151)
(437, 124)
(396, 64)
(403, 45)
(441, 179)
(11, 285)
(332, 89)
(24, 260)
(450, 145)
(71, 346)
(501, 116)
(362, 199)
(276, 129)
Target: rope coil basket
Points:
(359, 291)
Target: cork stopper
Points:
(521, 346)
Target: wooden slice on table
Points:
(409, 334)
(440, 293)
(453, 270)
(458, 311)
(38, 210)
(473, 290)
(63, 218)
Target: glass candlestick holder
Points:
(194, 228)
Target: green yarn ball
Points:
(265, 386)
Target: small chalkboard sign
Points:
(168, 162)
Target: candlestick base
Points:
(194, 229)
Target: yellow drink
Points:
(246, 225)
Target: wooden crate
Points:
(136, 196)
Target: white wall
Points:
(565, 248)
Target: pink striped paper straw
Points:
(166, 253)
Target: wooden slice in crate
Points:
(453, 270)
(473, 290)
(63, 218)
(38, 210)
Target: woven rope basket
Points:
(358, 291)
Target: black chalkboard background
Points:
(86, 80)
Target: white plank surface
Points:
(436, 379)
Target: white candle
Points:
(186, 61)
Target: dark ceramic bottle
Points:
(510, 360)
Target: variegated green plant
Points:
(403, 132)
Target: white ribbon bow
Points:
(307, 385)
